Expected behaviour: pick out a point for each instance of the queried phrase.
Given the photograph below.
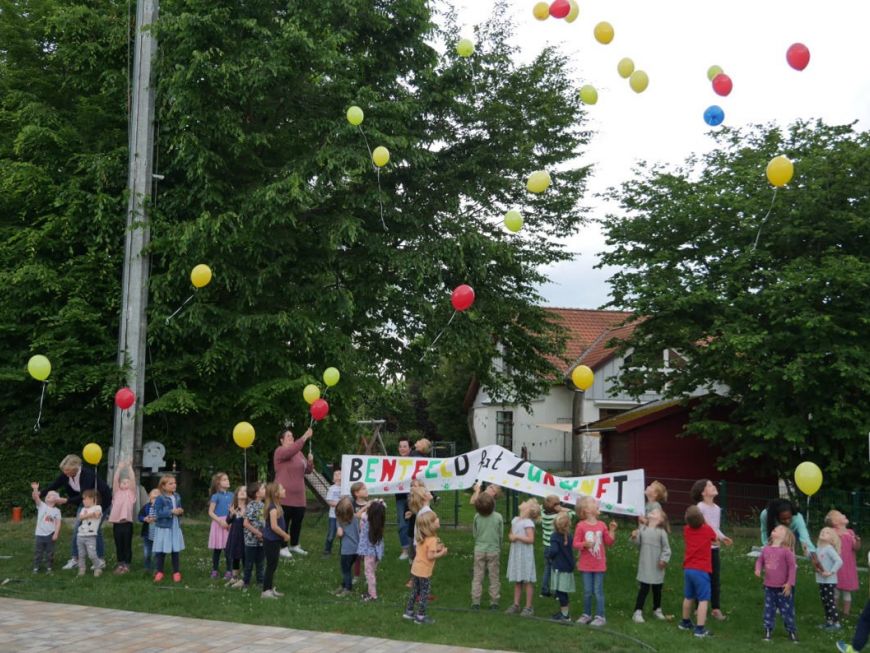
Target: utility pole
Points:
(132, 333)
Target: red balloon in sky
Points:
(124, 398)
(462, 298)
(560, 8)
(798, 56)
(319, 409)
(722, 84)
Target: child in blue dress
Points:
(218, 508)
(167, 529)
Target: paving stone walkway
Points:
(34, 626)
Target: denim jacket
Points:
(163, 508)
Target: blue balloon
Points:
(714, 115)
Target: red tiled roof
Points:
(588, 332)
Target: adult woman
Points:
(782, 511)
(291, 466)
(73, 479)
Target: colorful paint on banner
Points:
(618, 492)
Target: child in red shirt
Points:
(697, 567)
(592, 538)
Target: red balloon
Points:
(560, 8)
(798, 56)
(124, 398)
(722, 84)
(319, 409)
(462, 298)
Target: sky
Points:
(675, 41)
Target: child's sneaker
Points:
(793, 638)
(423, 619)
(686, 624)
(832, 628)
(176, 577)
(658, 614)
(514, 609)
(48, 570)
(843, 647)
(561, 617)
(214, 574)
(408, 615)
(768, 635)
(527, 612)
(228, 575)
(637, 617)
(81, 571)
(584, 619)
(72, 563)
(700, 631)
(268, 594)
(493, 606)
(158, 577)
(237, 584)
(98, 572)
(598, 622)
(368, 598)
(475, 606)
(36, 570)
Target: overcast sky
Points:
(675, 42)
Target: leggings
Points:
(715, 583)
(216, 559)
(862, 629)
(371, 567)
(293, 516)
(642, 592)
(160, 558)
(347, 563)
(775, 600)
(271, 549)
(563, 599)
(829, 603)
(419, 592)
(253, 556)
(123, 533)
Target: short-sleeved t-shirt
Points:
(90, 527)
(222, 502)
(47, 518)
(423, 566)
(255, 517)
(699, 544)
(333, 494)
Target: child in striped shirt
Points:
(552, 509)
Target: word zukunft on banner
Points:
(619, 492)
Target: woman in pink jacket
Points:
(291, 466)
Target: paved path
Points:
(32, 626)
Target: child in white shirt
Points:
(48, 523)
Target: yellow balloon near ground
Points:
(200, 276)
(538, 181)
(588, 94)
(582, 377)
(808, 478)
(513, 220)
(92, 453)
(712, 71)
(465, 48)
(541, 11)
(625, 67)
(603, 32)
(638, 81)
(575, 11)
(780, 171)
(331, 376)
(243, 434)
(355, 116)
(39, 367)
(311, 393)
(381, 156)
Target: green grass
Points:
(309, 603)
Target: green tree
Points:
(782, 325)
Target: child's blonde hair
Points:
(356, 487)
(584, 504)
(663, 523)
(829, 518)
(426, 526)
(660, 489)
(551, 504)
(830, 535)
(562, 524)
(788, 541)
(344, 510)
(215, 483)
(164, 481)
(423, 445)
(534, 509)
(417, 498)
(273, 494)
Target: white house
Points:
(544, 431)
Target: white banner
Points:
(618, 492)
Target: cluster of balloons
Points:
(808, 478)
(355, 116)
(318, 407)
(567, 9)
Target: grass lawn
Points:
(309, 603)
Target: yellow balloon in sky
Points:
(808, 478)
(311, 393)
(243, 434)
(465, 48)
(582, 377)
(538, 181)
(575, 11)
(92, 453)
(331, 376)
(780, 170)
(355, 116)
(200, 276)
(39, 367)
(625, 67)
(638, 81)
(381, 156)
(541, 11)
(588, 94)
(603, 32)
(712, 71)
(513, 220)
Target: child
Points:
(521, 559)
(167, 528)
(697, 567)
(218, 509)
(371, 544)
(560, 556)
(359, 496)
(235, 550)
(828, 556)
(862, 629)
(253, 525)
(419, 499)
(847, 577)
(704, 493)
(492, 490)
(655, 553)
(552, 508)
(333, 494)
(274, 536)
(90, 518)
(656, 493)
(488, 533)
(124, 497)
(429, 549)
(780, 571)
(348, 531)
(592, 537)
(147, 516)
(48, 523)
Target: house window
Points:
(504, 429)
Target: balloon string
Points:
(245, 469)
(378, 170)
(441, 333)
(179, 309)
(36, 426)
(764, 219)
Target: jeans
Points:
(123, 534)
(545, 580)
(101, 546)
(593, 583)
(714, 579)
(401, 509)
(44, 550)
(147, 546)
(254, 555)
(160, 559)
(862, 629)
(775, 600)
(271, 550)
(331, 530)
(563, 599)
(347, 561)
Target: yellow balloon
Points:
(243, 434)
(582, 377)
(381, 156)
(588, 94)
(311, 393)
(575, 11)
(603, 32)
(355, 115)
(808, 478)
(541, 10)
(638, 81)
(465, 48)
(92, 453)
(39, 367)
(712, 71)
(200, 276)
(513, 220)
(625, 67)
(780, 170)
(331, 376)
(538, 181)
